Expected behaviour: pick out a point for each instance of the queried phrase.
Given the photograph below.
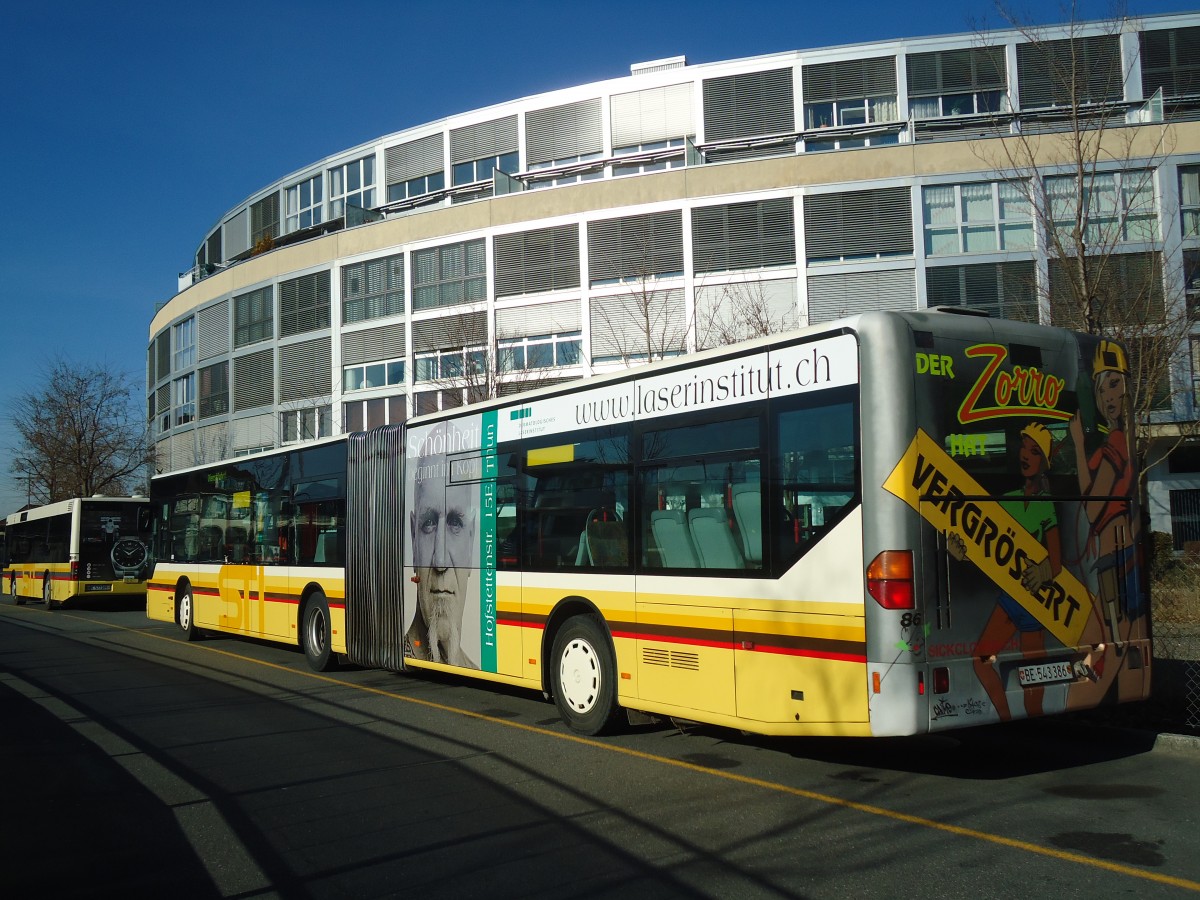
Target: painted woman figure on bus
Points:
(1107, 475)
(1031, 507)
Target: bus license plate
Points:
(95, 588)
(1043, 673)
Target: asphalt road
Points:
(138, 765)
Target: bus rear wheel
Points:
(583, 676)
(48, 590)
(185, 614)
(314, 633)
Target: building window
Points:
(450, 274)
(458, 364)
(214, 390)
(1118, 207)
(1191, 282)
(957, 82)
(482, 169)
(183, 392)
(304, 204)
(373, 289)
(751, 235)
(590, 173)
(352, 184)
(415, 169)
(1069, 72)
(373, 375)
(304, 304)
(185, 345)
(852, 94)
(664, 155)
(305, 424)
(540, 352)
(976, 218)
(1189, 200)
(1006, 290)
(253, 316)
(567, 135)
(416, 187)
(264, 219)
(750, 105)
(1171, 61)
(360, 415)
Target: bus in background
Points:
(84, 547)
(896, 523)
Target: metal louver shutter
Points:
(212, 442)
(162, 347)
(423, 156)
(305, 370)
(858, 224)
(212, 327)
(254, 380)
(825, 82)
(638, 326)
(162, 399)
(655, 114)
(727, 313)
(237, 234)
(636, 246)
(1006, 290)
(1087, 69)
(213, 247)
(847, 294)
(544, 259)
(213, 390)
(254, 431)
(151, 369)
(466, 330)
(546, 318)
(387, 342)
(956, 71)
(304, 303)
(560, 132)
(264, 218)
(482, 139)
(1171, 61)
(373, 289)
(749, 105)
(743, 235)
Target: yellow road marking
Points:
(816, 796)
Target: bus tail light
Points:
(941, 680)
(890, 579)
(75, 570)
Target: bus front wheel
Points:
(314, 634)
(185, 614)
(583, 676)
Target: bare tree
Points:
(1083, 163)
(738, 311)
(82, 432)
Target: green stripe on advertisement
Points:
(487, 543)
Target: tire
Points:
(583, 676)
(315, 632)
(48, 590)
(12, 589)
(185, 614)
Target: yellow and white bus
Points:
(84, 547)
(891, 524)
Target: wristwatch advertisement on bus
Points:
(128, 558)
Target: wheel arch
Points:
(567, 608)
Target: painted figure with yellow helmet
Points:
(1106, 480)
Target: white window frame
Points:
(481, 169)
(444, 363)
(1189, 200)
(1007, 217)
(422, 185)
(559, 346)
(183, 337)
(352, 182)
(1133, 205)
(305, 424)
(304, 204)
(391, 372)
(183, 399)
(620, 169)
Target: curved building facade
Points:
(682, 206)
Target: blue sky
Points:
(129, 128)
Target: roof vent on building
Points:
(657, 65)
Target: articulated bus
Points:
(85, 547)
(897, 523)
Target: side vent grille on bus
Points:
(673, 659)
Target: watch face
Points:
(128, 553)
